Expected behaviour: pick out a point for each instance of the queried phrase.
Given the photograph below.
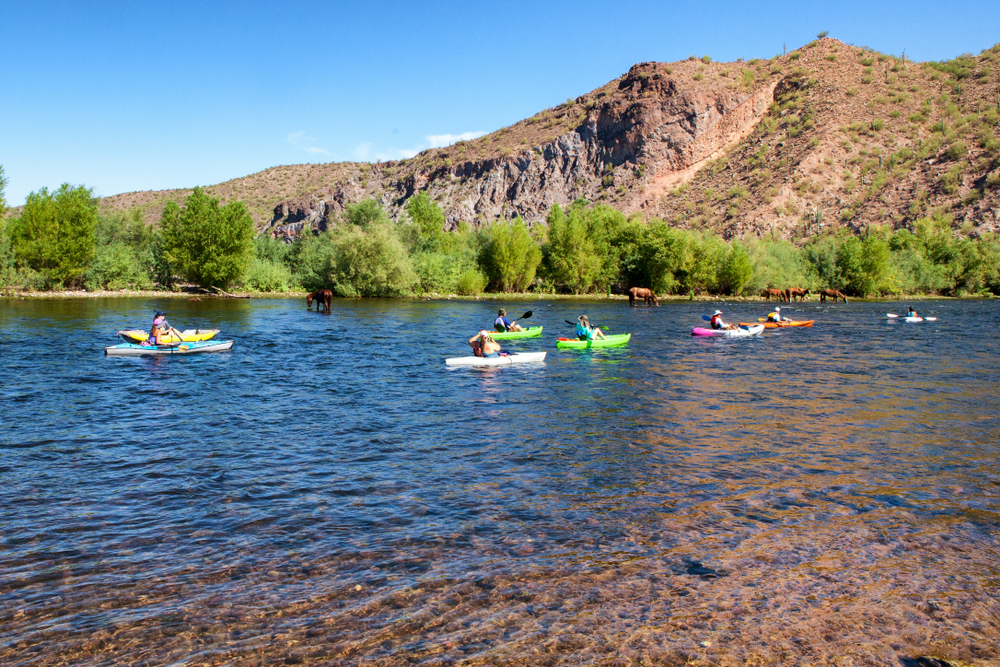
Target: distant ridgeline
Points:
(830, 165)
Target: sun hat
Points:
(776, 308)
(502, 312)
(583, 318)
(483, 333)
(717, 312)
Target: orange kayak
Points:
(781, 325)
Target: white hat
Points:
(717, 312)
(777, 307)
(484, 333)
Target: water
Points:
(329, 493)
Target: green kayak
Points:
(607, 341)
(530, 332)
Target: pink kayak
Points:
(729, 333)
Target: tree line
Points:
(60, 239)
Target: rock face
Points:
(650, 125)
(824, 137)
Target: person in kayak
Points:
(483, 345)
(717, 322)
(159, 329)
(910, 312)
(503, 324)
(586, 332)
(776, 315)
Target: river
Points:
(328, 492)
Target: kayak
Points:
(911, 319)
(136, 350)
(509, 360)
(607, 341)
(187, 336)
(530, 332)
(743, 331)
(779, 325)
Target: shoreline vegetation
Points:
(60, 241)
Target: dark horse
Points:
(643, 293)
(778, 294)
(833, 294)
(322, 297)
(793, 292)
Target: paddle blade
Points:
(706, 318)
(891, 315)
(526, 315)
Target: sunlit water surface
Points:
(329, 493)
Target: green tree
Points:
(429, 220)
(54, 234)
(208, 244)
(365, 213)
(570, 255)
(864, 265)
(510, 256)
(736, 271)
(3, 195)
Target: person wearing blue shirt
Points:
(503, 324)
(586, 332)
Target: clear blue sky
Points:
(123, 96)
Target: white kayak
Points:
(892, 316)
(522, 358)
(741, 332)
(136, 350)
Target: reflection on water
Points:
(329, 493)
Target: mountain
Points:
(825, 136)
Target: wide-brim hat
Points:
(717, 312)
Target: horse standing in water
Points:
(793, 292)
(322, 297)
(778, 294)
(645, 294)
(833, 294)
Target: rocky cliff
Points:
(827, 135)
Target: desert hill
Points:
(824, 136)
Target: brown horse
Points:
(793, 292)
(833, 294)
(645, 294)
(322, 297)
(778, 294)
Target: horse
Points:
(778, 294)
(833, 294)
(322, 297)
(645, 293)
(793, 292)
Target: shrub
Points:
(120, 266)
(471, 282)
(266, 275)
(823, 34)
(706, 59)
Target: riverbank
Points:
(194, 295)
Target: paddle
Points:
(573, 324)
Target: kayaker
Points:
(776, 315)
(717, 322)
(586, 332)
(159, 329)
(483, 345)
(503, 324)
(910, 312)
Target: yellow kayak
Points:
(187, 336)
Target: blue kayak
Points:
(135, 350)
